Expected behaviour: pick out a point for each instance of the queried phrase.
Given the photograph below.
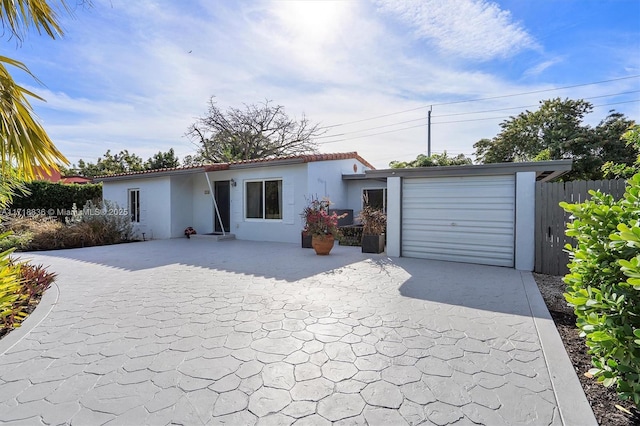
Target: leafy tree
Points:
(433, 160)
(162, 160)
(556, 131)
(109, 164)
(614, 170)
(257, 131)
(123, 162)
(193, 160)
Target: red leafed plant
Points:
(318, 221)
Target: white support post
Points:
(394, 225)
(525, 245)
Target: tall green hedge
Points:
(603, 285)
(57, 196)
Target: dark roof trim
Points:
(545, 170)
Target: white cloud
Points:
(475, 29)
(538, 69)
(124, 78)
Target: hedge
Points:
(603, 285)
(57, 196)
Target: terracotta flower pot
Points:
(322, 244)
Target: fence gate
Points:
(551, 219)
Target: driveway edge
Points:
(42, 311)
(572, 402)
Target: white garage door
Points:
(462, 219)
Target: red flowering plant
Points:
(317, 219)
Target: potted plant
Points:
(320, 225)
(374, 224)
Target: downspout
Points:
(215, 205)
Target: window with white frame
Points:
(376, 198)
(134, 205)
(263, 199)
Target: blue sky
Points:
(135, 75)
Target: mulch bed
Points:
(603, 400)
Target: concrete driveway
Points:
(236, 332)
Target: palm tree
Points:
(24, 144)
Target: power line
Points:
(531, 106)
(440, 122)
(495, 118)
(460, 113)
(373, 134)
(480, 99)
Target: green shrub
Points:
(22, 292)
(44, 196)
(350, 236)
(603, 285)
(18, 242)
(94, 225)
(101, 223)
(10, 292)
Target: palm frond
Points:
(22, 15)
(23, 141)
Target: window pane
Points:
(134, 205)
(273, 199)
(375, 198)
(254, 200)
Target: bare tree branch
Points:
(257, 131)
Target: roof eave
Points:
(545, 170)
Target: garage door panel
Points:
(468, 257)
(471, 234)
(465, 219)
(459, 217)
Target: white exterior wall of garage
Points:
(475, 214)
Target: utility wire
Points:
(495, 118)
(531, 106)
(481, 99)
(460, 113)
(442, 122)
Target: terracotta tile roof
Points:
(146, 172)
(338, 156)
(309, 158)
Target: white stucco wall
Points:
(170, 204)
(155, 204)
(202, 216)
(294, 184)
(325, 180)
(181, 204)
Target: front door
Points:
(222, 192)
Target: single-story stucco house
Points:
(477, 214)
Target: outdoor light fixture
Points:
(233, 182)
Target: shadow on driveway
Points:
(474, 286)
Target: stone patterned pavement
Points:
(199, 332)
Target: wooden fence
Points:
(551, 220)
